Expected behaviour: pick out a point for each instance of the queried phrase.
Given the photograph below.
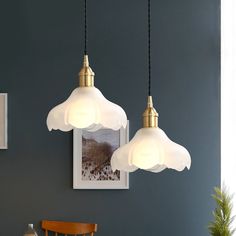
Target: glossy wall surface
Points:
(41, 49)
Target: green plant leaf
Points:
(223, 219)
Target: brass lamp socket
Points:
(86, 74)
(150, 116)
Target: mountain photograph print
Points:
(97, 149)
(3, 120)
(92, 156)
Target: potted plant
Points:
(223, 219)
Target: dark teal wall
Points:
(41, 45)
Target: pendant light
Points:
(150, 149)
(86, 108)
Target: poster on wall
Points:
(91, 159)
(3, 120)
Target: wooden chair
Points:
(68, 228)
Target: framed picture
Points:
(3, 120)
(91, 159)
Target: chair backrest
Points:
(68, 228)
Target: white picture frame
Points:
(80, 176)
(3, 121)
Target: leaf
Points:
(223, 219)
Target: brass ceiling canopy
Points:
(86, 74)
(150, 116)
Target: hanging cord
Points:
(149, 47)
(85, 27)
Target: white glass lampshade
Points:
(150, 149)
(86, 108)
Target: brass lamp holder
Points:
(86, 74)
(150, 116)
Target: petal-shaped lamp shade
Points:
(86, 108)
(150, 149)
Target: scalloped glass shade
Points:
(150, 149)
(86, 108)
